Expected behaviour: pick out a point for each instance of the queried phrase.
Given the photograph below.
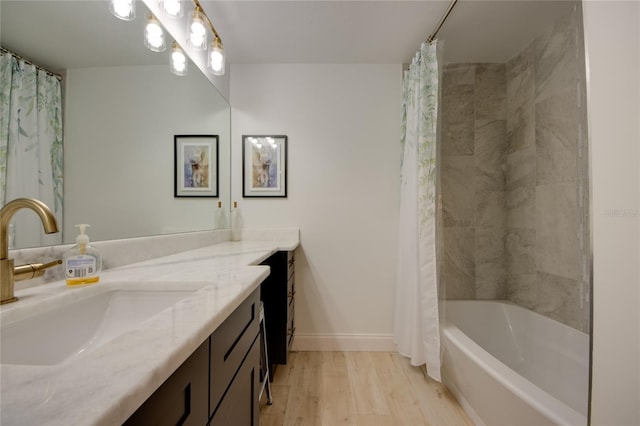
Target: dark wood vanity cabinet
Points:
(278, 292)
(219, 383)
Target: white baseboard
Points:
(344, 342)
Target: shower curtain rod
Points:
(441, 21)
(20, 58)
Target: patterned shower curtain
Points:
(416, 326)
(30, 146)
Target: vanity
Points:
(195, 362)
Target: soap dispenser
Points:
(82, 263)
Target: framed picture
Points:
(264, 166)
(196, 166)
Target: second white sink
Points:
(59, 334)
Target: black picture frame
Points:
(264, 166)
(196, 166)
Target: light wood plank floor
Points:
(357, 389)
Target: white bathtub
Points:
(508, 365)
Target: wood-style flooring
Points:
(357, 389)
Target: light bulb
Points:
(154, 35)
(123, 9)
(197, 30)
(178, 63)
(172, 8)
(215, 61)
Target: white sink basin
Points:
(54, 336)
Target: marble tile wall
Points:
(473, 180)
(543, 121)
(514, 178)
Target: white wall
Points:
(343, 125)
(613, 56)
(119, 150)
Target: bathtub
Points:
(508, 365)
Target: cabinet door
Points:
(183, 399)
(240, 405)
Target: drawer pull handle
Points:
(187, 405)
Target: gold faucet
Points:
(9, 274)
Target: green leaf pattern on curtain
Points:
(416, 323)
(31, 147)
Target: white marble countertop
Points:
(105, 385)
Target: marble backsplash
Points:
(515, 180)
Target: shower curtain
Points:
(30, 146)
(416, 325)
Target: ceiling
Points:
(82, 33)
(377, 31)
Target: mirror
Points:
(122, 108)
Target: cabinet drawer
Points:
(182, 399)
(230, 343)
(240, 405)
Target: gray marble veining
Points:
(521, 132)
(490, 210)
(556, 62)
(457, 193)
(522, 289)
(556, 298)
(556, 229)
(490, 93)
(459, 263)
(490, 146)
(458, 120)
(520, 248)
(556, 139)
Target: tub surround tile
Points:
(557, 230)
(490, 92)
(556, 139)
(457, 192)
(521, 131)
(458, 120)
(521, 208)
(520, 247)
(526, 162)
(459, 263)
(490, 264)
(490, 160)
(520, 84)
(522, 290)
(458, 74)
(556, 62)
(521, 169)
(490, 210)
(556, 299)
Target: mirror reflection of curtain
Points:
(30, 146)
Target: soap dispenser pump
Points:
(82, 263)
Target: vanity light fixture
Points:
(199, 24)
(123, 9)
(172, 8)
(154, 35)
(178, 64)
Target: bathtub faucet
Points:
(9, 273)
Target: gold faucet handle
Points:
(32, 270)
